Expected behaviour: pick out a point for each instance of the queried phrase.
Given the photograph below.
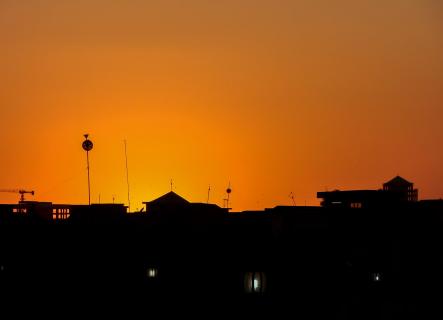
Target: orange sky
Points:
(275, 96)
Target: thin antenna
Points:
(171, 184)
(291, 195)
(209, 190)
(127, 177)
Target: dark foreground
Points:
(294, 262)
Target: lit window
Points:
(152, 273)
(256, 286)
(376, 277)
(255, 282)
(356, 205)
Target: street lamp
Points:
(87, 146)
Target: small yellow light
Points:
(152, 273)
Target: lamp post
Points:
(87, 146)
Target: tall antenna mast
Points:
(127, 178)
(171, 184)
(209, 190)
(87, 146)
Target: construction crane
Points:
(20, 191)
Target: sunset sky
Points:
(274, 96)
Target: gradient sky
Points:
(274, 96)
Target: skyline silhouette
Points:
(396, 184)
(362, 254)
(87, 146)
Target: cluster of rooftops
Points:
(395, 192)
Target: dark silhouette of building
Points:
(169, 201)
(394, 192)
(357, 199)
(402, 187)
(365, 254)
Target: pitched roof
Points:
(398, 181)
(170, 198)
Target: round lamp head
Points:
(87, 145)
